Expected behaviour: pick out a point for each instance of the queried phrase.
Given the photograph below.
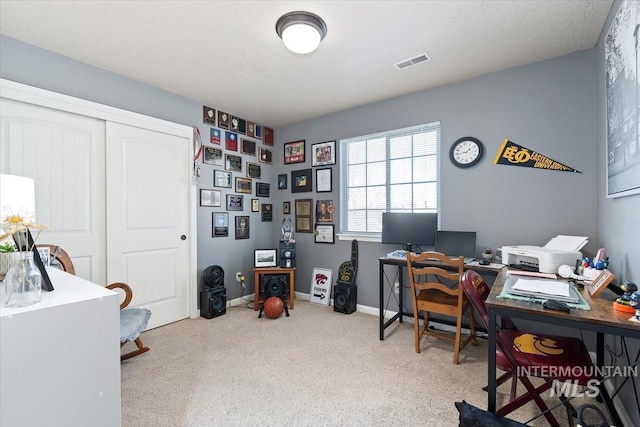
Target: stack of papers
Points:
(539, 288)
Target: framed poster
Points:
(251, 129)
(233, 162)
(258, 132)
(209, 197)
(221, 179)
(248, 147)
(323, 153)
(234, 124)
(267, 212)
(220, 224)
(323, 180)
(282, 181)
(212, 156)
(243, 185)
(324, 233)
(301, 181)
(622, 102)
(268, 136)
(242, 227)
(255, 205)
(324, 210)
(231, 141)
(254, 170)
(263, 189)
(265, 155)
(294, 152)
(223, 120)
(303, 215)
(235, 202)
(208, 115)
(216, 136)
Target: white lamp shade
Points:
(301, 38)
(17, 196)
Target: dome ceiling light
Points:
(301, 32)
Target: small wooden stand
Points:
(260, 271)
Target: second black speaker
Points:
(213, 302)
(345, 298)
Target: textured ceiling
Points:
(226, 54)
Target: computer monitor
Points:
(456, 243)
(409, 229)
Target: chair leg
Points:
(141, 349)
(456, 346)
(472, 326)
(416, 332)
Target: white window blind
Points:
(394, 171)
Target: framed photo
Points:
(242, 126)
(212, 156)
(301, 181)
(242, 227)
(323, 180)
(258, 132)
(235, 202)
(294, 152)
(600, 283)
(324, 210)
(248, 147)
(255, 205)
(323, 153)
(267, 212)
(304, 216)
(268, 136)
(208, 115)
(286, 208)
(223, 120)
(324, 233)
(282, 181)
(231, 139)
(265, 155)
(210, 197)
(254, 170)
(263, 189)
(234, 124)
(221, 179)
(216, 136)
(233, 162)
(251, 129)
(622, 101)
(264, 258)
(243, 185)
(220, 224)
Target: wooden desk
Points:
(260, 271)
(602, 319)
(400, 266)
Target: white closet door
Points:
(147, 218)
(64, 153)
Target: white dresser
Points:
(60, 358)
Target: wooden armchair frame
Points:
(128, 295)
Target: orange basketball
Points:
(273, 307)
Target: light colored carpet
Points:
(314, 368)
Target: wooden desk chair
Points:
(59, 258)
(533, 353)
(132, 322)
(430, 294)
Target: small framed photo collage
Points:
(323, 155)
(233, 156)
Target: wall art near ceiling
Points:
(233, 162)
(220, 224)
(248, 147)
(304, 215)
(268, 136)
(301, 181)
(324, 153)
(254, 170)
(223, 120)
(209, 197)
(231, 139)
(263, 189)
(243, 185)
(242, 227)
(216, 136)
(212, 156)
(235, 202)
(242, 126)
(221, 179)
(265, 155)
(234, 124)
(251, 129)
(258, 133)
(324, 210)
(267, 212)
(282, 181)
(208, 115)
(323, 180)
(622, 85)
(294, 152)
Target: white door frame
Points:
(42, 97)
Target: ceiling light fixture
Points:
(301, 32)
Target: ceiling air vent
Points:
(412, 61)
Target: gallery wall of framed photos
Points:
(232, 153)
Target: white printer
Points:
(558, 251)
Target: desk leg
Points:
(292, 291)
(381, 303)
(256, 290)
(400, 294)
(491, 371)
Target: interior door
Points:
(148, 218)
(64, 153)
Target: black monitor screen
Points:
(409, 228)
(456, 243)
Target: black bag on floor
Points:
(470, 416)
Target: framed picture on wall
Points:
(243, 185)
(209, 115)
(323, 153)
(254, 170)
(301, 181)
(323, 180)
(220, 224)
(265, 155)
(282, 181)
(221, 179)
(212, 156)
(209, 197)
(223, 120)
(235, 202)
(294, 152)
(233, 162)
(304, 215)
(248, 147)
(242, 227)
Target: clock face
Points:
(466, 152)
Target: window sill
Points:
(359, 237)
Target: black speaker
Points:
(274, 285)
(345, 298)
(213, 302)
(287, 252)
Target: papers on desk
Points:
(494, 265)
(543, 289)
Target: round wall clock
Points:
(466, 152)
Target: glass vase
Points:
(22, 283)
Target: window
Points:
(394, 171)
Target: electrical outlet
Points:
(238, 275)
(396, 287)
